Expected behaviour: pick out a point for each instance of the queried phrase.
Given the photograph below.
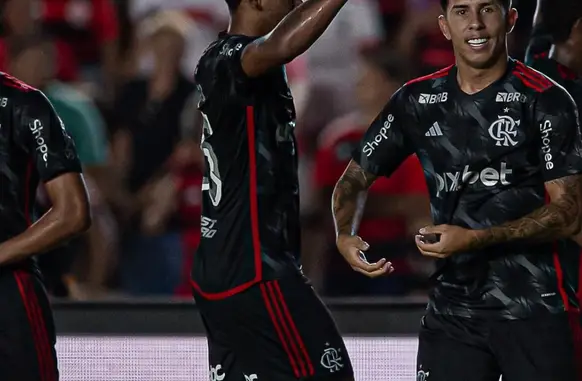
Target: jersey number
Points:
(212, 183)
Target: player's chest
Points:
(495, 126)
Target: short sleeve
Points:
(560, 142)
(230, 57)
(385, 145)
(42, 135)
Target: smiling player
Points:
(494, 138)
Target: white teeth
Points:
(478, 41)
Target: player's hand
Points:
(352, 248)
(442, 241)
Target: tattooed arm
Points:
(349, 197)
(383, 148)
(558, 219)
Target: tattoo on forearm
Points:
(558, 219)
(348, 189)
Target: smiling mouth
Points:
(478, 42)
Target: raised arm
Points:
(293, 36)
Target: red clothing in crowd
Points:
(86, 25)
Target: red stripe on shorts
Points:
(292, 361)
(47, 368)
(294, 330)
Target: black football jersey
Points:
(485, 157)
(570, 262)
(250, 205)
(34, 146)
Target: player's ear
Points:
(512, 16)
(444, 25)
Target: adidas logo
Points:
(434, 130)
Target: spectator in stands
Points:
(20, 18)
(420, 38)
(396, 207)
(153, 115)
(33, 61)
(90, 28)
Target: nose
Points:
(476, 21)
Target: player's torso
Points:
(250, 207)
(480, 155)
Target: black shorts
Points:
(27, 335)
(538, 349)
(277, 330)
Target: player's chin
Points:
(481, 59)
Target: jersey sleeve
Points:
(385, 145)
(230, 58)
(560, 142)
(42, 135)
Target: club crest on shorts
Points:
(422, 375)
(331, 359)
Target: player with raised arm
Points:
(500, 146)
(34, 146)
(263, 319)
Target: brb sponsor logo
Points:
(379, 137)
(546, 130)
(490, 177)
(207, 227)
(36, 129)
(430, 99)
(510, 97)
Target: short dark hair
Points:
(391, 63)
(505, 3)
(559, 17)
(232, 4)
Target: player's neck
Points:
(243, 25)
(563, 54)
(472, 80)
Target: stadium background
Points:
(119, 74)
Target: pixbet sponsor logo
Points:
(429, 99)
(454, 181)
(545, 130)
(379, 137)
(36, 129)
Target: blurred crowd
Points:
(119, 73)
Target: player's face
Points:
(478, 30)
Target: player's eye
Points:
(488, 9)
(461, 12)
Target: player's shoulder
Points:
(426, 89)
(223, 48)
(17, 94)
(532, 81)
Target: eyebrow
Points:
(465, 6)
